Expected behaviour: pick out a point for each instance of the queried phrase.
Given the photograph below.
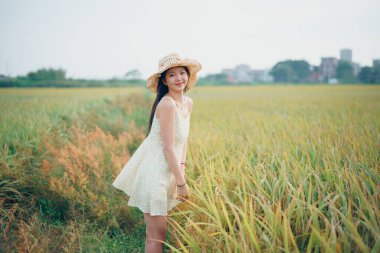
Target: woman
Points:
(154, 177)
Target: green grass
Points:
(270, 169)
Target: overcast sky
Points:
(107, 38)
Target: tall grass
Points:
(60, 151)
(287, 168)
(270, 169)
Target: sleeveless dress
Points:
(146, 177)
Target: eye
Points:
(183, 72)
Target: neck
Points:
(177, 96)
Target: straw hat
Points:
(174, 60)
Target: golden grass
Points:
(284, 168)
(270, 168)
(58, 159)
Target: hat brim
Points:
(192, 65)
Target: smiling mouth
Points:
(178, 84)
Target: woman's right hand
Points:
(183, 193)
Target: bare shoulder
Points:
(166, 106)
(189, 102)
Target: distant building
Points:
(333, 80)
(261, 76)
(230, 75)
(328, 68)
(240, 74)
(356, 67)
(243, 73)
(346, 55)
(315, 75)
(376, 63)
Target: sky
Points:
(107, 38)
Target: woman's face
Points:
(176, 78)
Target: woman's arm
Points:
(167, 126)
(184, 155)
(189, 102)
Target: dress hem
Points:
(142, 209)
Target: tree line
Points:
(288, 71)
(300, 71)
(50, 77)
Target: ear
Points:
(163, 80)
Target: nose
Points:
(178, 77)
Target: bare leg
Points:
(156, 227)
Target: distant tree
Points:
(282, 72)
(47, 74)
(366, 75)
(376, 74)
(291, 71)
(220, 78)
(133, 75)
(302, 70)
(345, 72)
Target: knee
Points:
(157, 232)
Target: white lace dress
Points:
(146, 177)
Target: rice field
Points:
(285, 168)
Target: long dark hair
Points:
(162, 89)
